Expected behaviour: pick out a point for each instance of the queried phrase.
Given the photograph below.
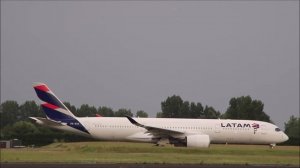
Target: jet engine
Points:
(199, 141)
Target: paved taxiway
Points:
(53, 165)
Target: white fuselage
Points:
(179, 132)
(218, 130)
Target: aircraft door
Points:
(217, 128)
(263, 130)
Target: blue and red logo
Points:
(55, 109)
(255, 126)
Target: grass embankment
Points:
(121, 152)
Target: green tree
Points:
(123, 112)
(106, 112)
(141, 114)
(159, 115)
(86, 111)
(246, 108)
(45, 135)
(9, 112)
(196, 110)
(292, 130)
(24, 131)
(184, 111)
(171, 108)
(29, 109)
(6, 132)
(71, 107)
(175, 107)
(211, 113)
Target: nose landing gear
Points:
(272, 146)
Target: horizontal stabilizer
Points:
(45, 121)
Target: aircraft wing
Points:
(156, 131)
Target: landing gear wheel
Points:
(272, 146)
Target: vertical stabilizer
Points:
(51, 105)
(54, 109)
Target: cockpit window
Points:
(277, 129)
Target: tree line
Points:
(16, 124)
(239, 108)
(12, 112)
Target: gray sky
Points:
(131, 54)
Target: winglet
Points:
(154, 130)
(134, 122)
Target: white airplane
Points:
(179, 132)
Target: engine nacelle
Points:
(199, 141)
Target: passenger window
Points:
(277, 129)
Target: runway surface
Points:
(63, 165)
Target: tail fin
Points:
(52, 106)
(55, 110)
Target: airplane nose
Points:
(285, 137)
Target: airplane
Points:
(199, 133)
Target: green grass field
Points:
(122, 152)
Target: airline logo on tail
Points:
(54, 109)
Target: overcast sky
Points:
(132, 54)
